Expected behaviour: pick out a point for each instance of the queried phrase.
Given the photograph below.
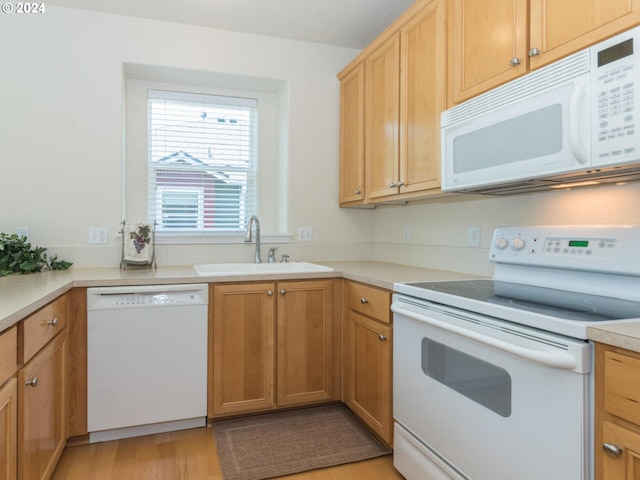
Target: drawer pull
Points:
(613, 451)
(53, 323)
(270, 293)
(283, 292)
(364, 301)
(32, 383)
(382, 338)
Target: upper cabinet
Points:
(391, 99)
(494, 41)
(352, 136)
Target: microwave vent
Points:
(619, 174)
(519, 89)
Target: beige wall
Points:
(439, 229)
(62, 118)
(62, 146)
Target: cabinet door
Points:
(242, 363)
(352, 136)
(42, 421)
(422, 98)
(485, 35)
(625, 466)
(383, 117)
(305, 347)
(561, 28)
(367, 368)
(8, 429)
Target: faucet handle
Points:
(272, 254)
(285, 258)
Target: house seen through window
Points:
(202, 162)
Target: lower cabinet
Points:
(367, 358)
(42, 410)
(617, 414)
(273, 346)
(8, 429)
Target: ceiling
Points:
(345, 23)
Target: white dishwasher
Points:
(146, 359)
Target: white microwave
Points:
(571, 123)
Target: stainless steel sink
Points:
(227, 269)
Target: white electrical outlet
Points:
(474, 236)
(305, 234)
(98, 235)
(406, 234)
(23, 232)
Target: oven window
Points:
(482, 382)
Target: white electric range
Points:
(492, 378)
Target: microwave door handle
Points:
(560, 360)
(576, 144)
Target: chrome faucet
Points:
(247, 237)
(272, 255)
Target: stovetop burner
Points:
(546, 301)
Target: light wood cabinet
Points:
(367, 358)
(391, 97)
(247, 350)
(406, 92)
(242, 348)
(494, 41)
(383, 119)
(617, 414)
(8, 429)
(42, 410)
(352, 110)
(304, 342)
(8, 403)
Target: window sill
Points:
(219, 238)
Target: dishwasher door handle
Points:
(557, 359)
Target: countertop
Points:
(21, 295)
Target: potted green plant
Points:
(17, 255)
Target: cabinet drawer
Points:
(622, 386)
(42, 326)
(371, 301)
(8, 353)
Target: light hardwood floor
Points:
(184, 455)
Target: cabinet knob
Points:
(515, 61)
(534, 52)
(283, 292)
(392, 185)
(382, 338)
(613, 451)
(53, 323)
(400, 183)
(270, 293)
(357, 192)
(364, 300)
(32, 383)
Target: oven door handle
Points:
(552, 359)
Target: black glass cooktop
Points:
(544, 301)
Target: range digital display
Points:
(579, 243)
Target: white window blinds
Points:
(202, 162)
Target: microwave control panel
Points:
(615, 82)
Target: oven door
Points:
(488, 399)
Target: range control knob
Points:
(518, 244)
(501, 243)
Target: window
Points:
(202, 161)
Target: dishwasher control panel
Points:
(105, 298)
